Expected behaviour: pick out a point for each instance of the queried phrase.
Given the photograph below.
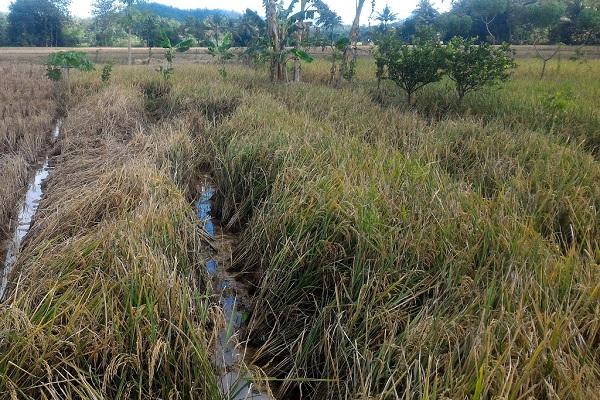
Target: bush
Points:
(472, 66)
(410, 67)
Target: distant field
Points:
(118, 55)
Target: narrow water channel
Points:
(233, 298)
(27, 212)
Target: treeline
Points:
(510, 21)
(48, 23)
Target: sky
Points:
(345, 8)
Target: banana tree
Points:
(170, 51)
(221, 50)
(286, 31)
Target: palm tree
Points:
(386, 17)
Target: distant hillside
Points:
(180, 15)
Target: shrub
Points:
(66, 61)
(472, 66)
(410, 67)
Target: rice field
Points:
(380, 251)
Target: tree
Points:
(386, 17)
(421, 23)
(129, 4)
(3, 30)
(327, 19)
(425, 13)
(60, 64)
(451, 24)
(106, 10)
(105, 14)
(37, 22)
(472, 66)
(282, 23)
(487, 11)
(587, 26)
(149, 29)
(249, 30)
(347, 66)
(541, 19)
(410, 67)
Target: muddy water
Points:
(234, 300)
(27, 212)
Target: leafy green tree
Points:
(541, 19)
(37, 22)
(3, 30)
(451, 24)
(107, 10)
(425, 13)
(106, 27)
(249, 30)
(76, 32)
(473, 66)
(129, 20)
(421, 23)
(60, 64)
(410, 67)
(587, 26)
(487, 11)
(327, 19)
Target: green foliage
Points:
(545, 15)
(410, 67)
(472, 66)
(67, 60)
(106, 73)
(451, 24)
(171, 50)
(221, 50)
(36, 23)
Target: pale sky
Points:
(82, 8)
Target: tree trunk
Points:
(543, 68)
(348, 52)
(299, 36)
(273, 31)
(487, 23)
(129, 55)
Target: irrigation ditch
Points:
(28, 209)
(232, 295)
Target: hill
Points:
(181, 14)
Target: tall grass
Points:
(26, 114)
(553, 182)
(392, 255)
(388, 266)
(109, 298)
